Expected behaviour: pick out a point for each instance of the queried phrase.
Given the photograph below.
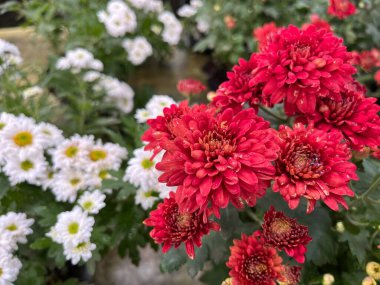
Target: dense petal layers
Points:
(285, 233)
(172, 228)
(313, 164)
(301, 66)
(252, 262)
(217, 158)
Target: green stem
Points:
(253, 216)
(371, 188)
(373, 237)
(356, 223)
(274, 115)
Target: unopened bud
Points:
(328, 279)
(369, 281)
(373, 270)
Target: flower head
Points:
(285, 233)
(188, 87)
(75, 253)
(341, 8)
(9, 268)
(313, 164)
(16, 225)
(172, 227)
(354, 115)
(373, 269)
(292, 275)
(253, 262)
(237, 90)
(265, 34)
(217, 158)
(92, 202)
(301, 66)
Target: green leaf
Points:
(229, 221)
(173, 259)
(41, 243)
(358, 243)
(197, 264)
(4, 185)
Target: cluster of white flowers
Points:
(14, 227)
(189, 10)
(154, 108)
(9, 55)
(73, 230)
(117, 92)
(138, 49)
(77, 60)
(142, 173)
(120, 19)
(172, 28)
(77, 163)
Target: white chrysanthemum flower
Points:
(9, 268)
(196, 3)
(92, 202)
(79, 59)
(17, 225)
(172, 28)
(118, 92)
(33, 91)
(5, 119)
(158, 103)
(104, 156)
(27, 166)
(47, 179)
(118, 19)
(203, 26)
(81, 251)
(94, 179)
(155, 6)
(187, 11)
(143, 115)
(9, 55)
(54, 234)
(138, 49)
(146, 198)
(71, 152)
(74, 227)
(141, 171)
(91, 76)
(20, 136)
(67, 184)
(7, 243)
(50, 135)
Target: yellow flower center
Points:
(281, 226)
(98, 154)
(2, 125)
(74, 181)
(71, 151)
(103, 174)
(50, 175)
(73, 228)
(1, 272)
(12, 228)
(27, 165)
(88, 205)
(148, 194)
(147, 163)
(81, 245)
(23, 139)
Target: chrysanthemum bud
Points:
(328, 279)
(373, 270)
(340, 227)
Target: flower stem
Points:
(271, 113)
(253, 216)
(371, 188)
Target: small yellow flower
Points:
(216, 7)
(328, 279)
(373, 270)
(228, 281)
(369, 281)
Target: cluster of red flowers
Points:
(188, 87)
(367, 59)
(341, 8)
(225, 153)
(254, 259)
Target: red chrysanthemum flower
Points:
(341, 8)
(292, 275)
(265, 34)
(285, 233)
(313, 164)
(252, 262)
(172, 228)
(237, 91)
(219, 158)
(355, 115)
(318, 22)
(302, 65)
(377, 77)
(188, 87)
